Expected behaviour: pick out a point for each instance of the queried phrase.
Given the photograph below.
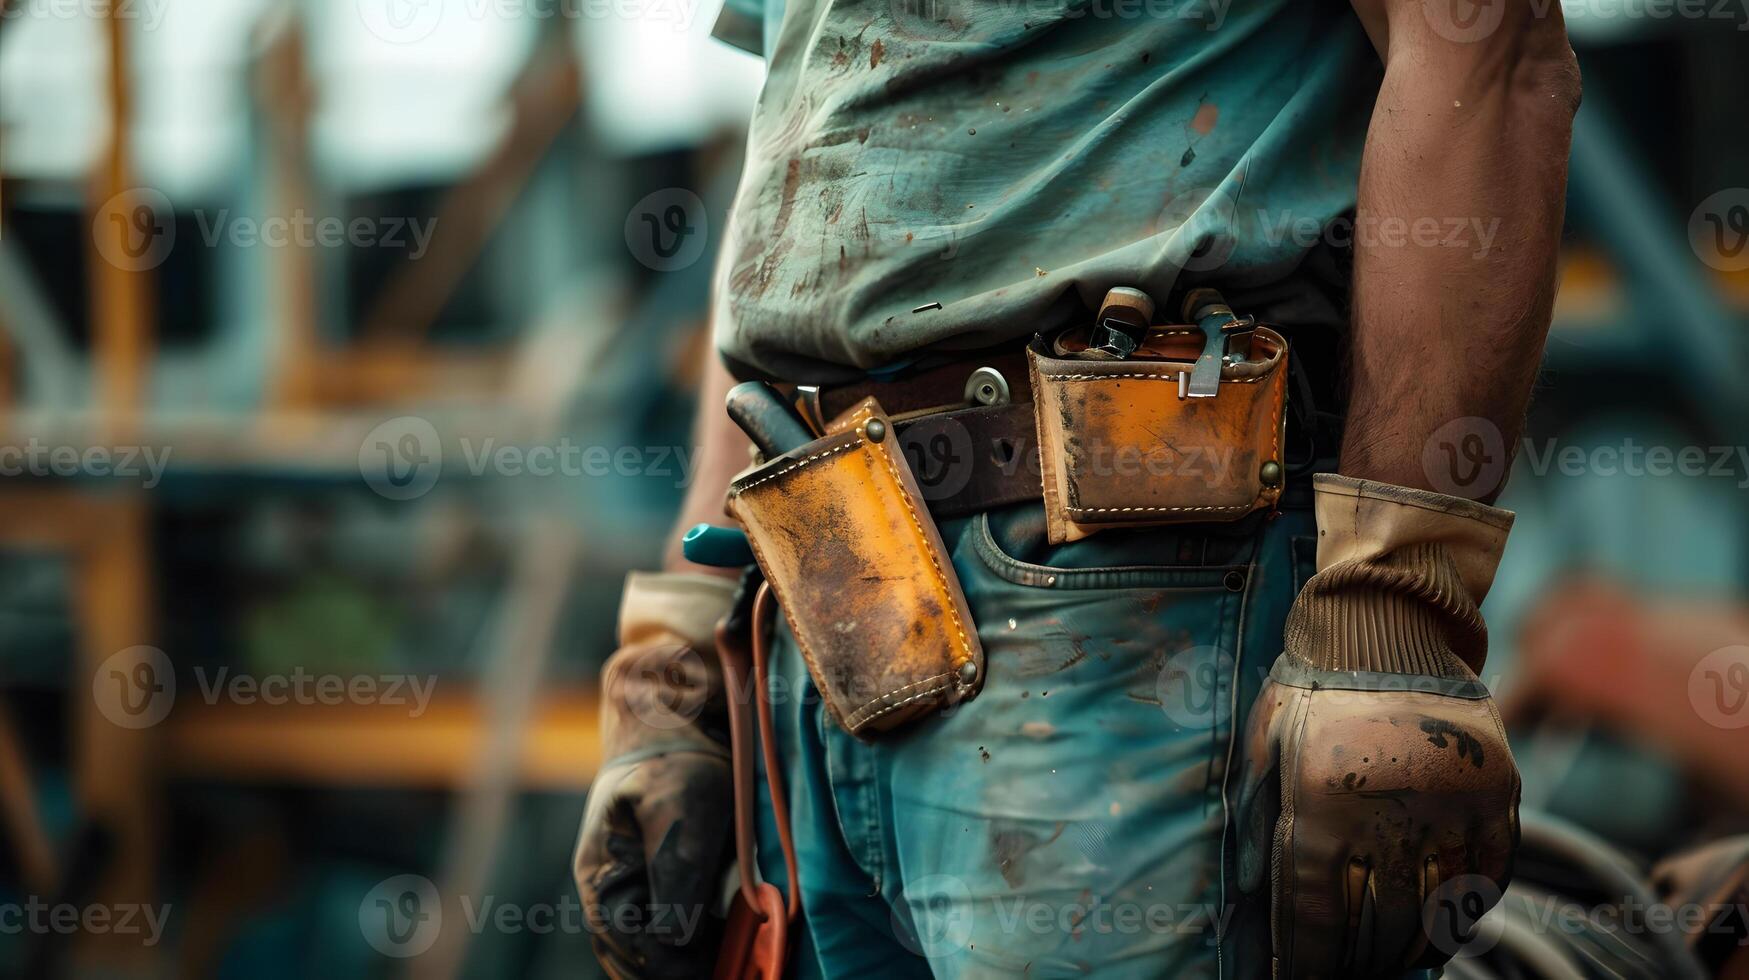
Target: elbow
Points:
(1523, 55)
(1545, 75)
(1541, 68)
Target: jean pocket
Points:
(1011, 544)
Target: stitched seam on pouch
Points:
(863, 714)
(1162, 377)
(808, 656)
(1263, 493)
(934, 562)
(796, 466)
(1132, 510)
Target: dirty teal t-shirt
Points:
(954, 174)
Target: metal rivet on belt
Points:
(876, 430)
(968, 672)
(987, 386)
(1270, 474)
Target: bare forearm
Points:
(1461, 201)
(723, 452)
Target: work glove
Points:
(655, 833)
(1380, 801)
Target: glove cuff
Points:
(663, 689)
(1401, 576)
(682, 605)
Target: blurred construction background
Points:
(346, 357)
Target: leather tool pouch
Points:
(1122, 445)
(841, 531)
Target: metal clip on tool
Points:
(1218, 322)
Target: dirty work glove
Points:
(1380, 802)
(655, 833)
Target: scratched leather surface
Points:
(840, 529)
(1119, 447)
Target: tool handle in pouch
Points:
(1140, 442)
(841, 531)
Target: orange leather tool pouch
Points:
(1121, 445)
(841, 531)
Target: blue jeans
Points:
(1076, 817)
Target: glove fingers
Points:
(686, 860)
(616, 884)
(649, 864)
(1389, 800)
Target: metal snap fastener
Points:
(987, 386)
(876, 430)
(968, 672)
(1270, 474)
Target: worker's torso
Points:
(958, 173)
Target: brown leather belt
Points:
(968, 457)
(939, 388)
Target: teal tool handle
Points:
(718, 547)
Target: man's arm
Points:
(652, 830)
(1384, 644)
(1470, 137)
(722, 452)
